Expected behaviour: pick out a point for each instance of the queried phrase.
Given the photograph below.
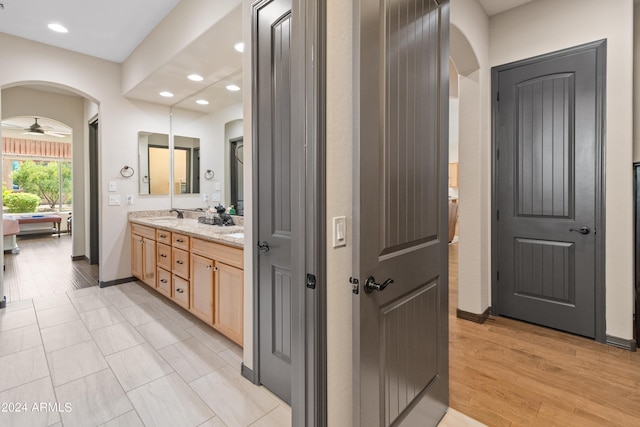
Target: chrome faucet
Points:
(180, 213)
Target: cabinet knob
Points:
(179, 240)
(163, 256)
(179, 262)
(180, 291)
(163, 280)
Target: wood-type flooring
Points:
(44, 267)
(510, 373)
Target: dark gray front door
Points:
(400, 214)
(274, 195)
(547, 136)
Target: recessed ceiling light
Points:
(166, 94)
(239, 47)
(233, 88)
(58, 28)
(202, 102)
(195, 77)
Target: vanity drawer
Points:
(163, 236)
(180, 292)
(164, 256)
(222, 253)
(143, 231)
(180, 241)
(164, 282)
(180, 262)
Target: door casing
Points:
(309, 356)
(600, 321)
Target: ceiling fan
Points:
(18, 124)
(36, 129)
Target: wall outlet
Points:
(218, 186)
(129, 199)
(215, 197)
(205, 197)
(114, 200)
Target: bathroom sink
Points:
(163, 219)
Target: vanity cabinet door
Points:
(202, 283)
(229, 298)
(136, 256)
(149, 261)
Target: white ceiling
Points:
(493, 7)
(113, 29)
(105, 29)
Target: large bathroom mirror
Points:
(200, 167)
(153, 163)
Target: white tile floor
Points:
(123, 356)
(126, 356)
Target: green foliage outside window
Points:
(20, 202)
(43, 179)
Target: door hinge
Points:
(498, 275)
(498, 215)
(497, 96)
(497, 153)
(311, 281)
(355, 285)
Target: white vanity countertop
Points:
(227, 235)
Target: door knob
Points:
(370, 285)
(581, 230)
(263, 246)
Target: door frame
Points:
(600, 47)
(94, 192)
(309, 336)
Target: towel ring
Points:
(208, 175)
(127, 171)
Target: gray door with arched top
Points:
(548, 114)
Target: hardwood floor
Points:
(44, 267)
(510, 373)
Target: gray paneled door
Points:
(547, 138)
(400, 213)
(274, 195)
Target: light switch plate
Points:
(113, 186)
(218, 186)
(339, 231)
(129, 199)
(114, 200)
(215, 197)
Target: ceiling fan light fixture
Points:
(58, 28)
(195, 77)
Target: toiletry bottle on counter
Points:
(232, 210)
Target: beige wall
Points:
(340, 138)
(120, 120)
(544, 26)
(471, 56)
